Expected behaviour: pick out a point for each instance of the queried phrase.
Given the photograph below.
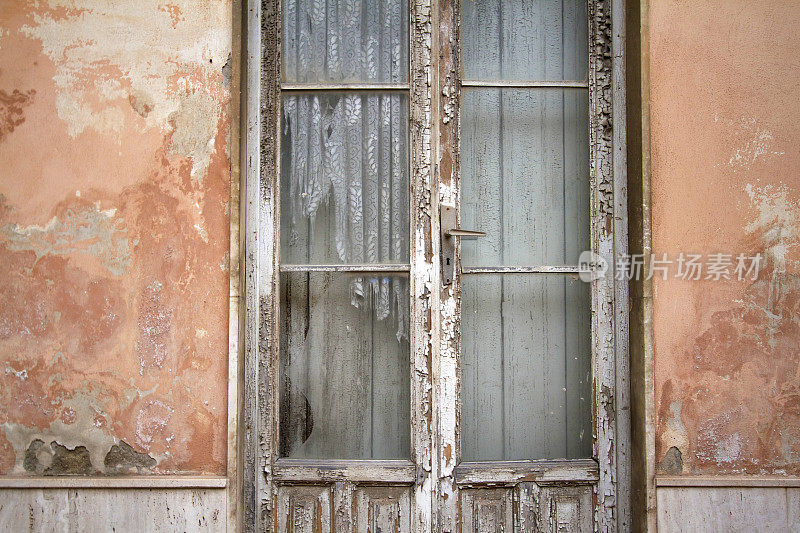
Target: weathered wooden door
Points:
(428, 356)
(527, 377)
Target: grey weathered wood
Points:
(381, 509)
(512, 472)
(553, 509)
(531, 84)
(367, 268)
(446, 364)
(263, 315)
(622, 289)
(601, 131)
(527, 42)
(522, 186)
(485, 510)
(261, 103)
(343, 507)
(304, 509)
(434, 364)
(424, 271)
(519, 269)
(327, 471)
(605, 359)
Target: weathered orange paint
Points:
(114, 231)
(726, 178)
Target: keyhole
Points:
(448, 261)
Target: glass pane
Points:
(525, 176)
(344, 178)
(526, 367)
(345, 41)
(524, 39)
(344, 390)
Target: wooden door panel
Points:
(486, 510)
(304, 509)
(553, 509)
(343, 507)
(383, 509)
(527, 508)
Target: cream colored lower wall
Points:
(119, 510)
(728, 509)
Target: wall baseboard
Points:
(727, 481)
(113, 482)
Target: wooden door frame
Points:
(434, 330)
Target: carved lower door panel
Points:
(527, 507)
(343, 507)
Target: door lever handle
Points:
(464, 233)
(449, 230)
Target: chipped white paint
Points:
(777, 223)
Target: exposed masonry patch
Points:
(672, 463)
(37, 457)
(57, 460)
(69, 462)
(227, 72)
(11, 109)
(122, 458)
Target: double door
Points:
(435, 353)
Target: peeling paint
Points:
(106, 52)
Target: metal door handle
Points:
(465, 233)
(449, 231)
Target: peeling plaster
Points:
(106, 53)
(113, 242)
(87, 231)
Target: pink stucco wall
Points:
(114, 235)
(726, 178)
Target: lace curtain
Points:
(348, 151)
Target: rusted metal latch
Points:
(449, 232)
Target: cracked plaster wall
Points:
(114, 233)
(726, 178)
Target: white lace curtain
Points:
(345, 41)
(349, 150)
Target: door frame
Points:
(434, 334)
